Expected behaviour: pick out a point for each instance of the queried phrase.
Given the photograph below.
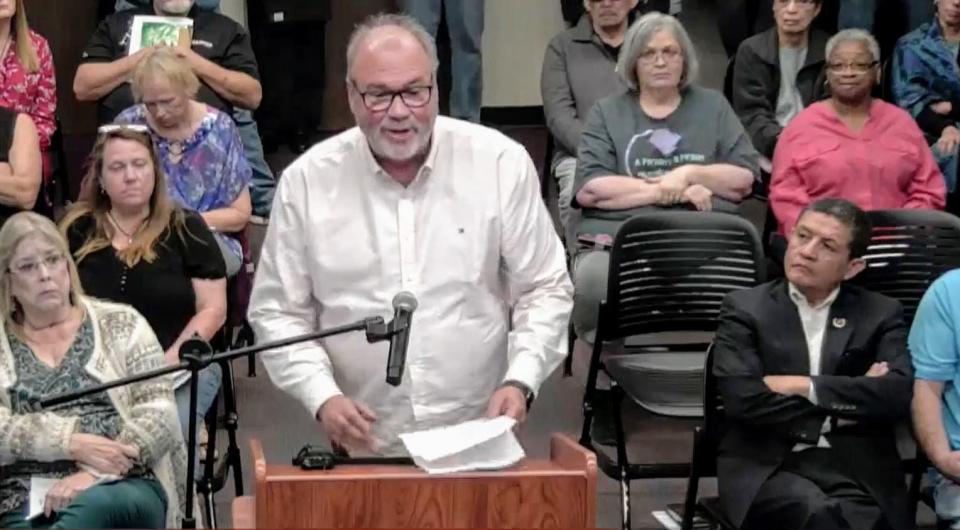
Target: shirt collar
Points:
(801, 300)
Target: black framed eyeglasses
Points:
(413, 97)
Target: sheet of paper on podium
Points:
(483, 444)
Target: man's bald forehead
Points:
(385, 34)
(393, 38)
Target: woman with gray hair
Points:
(852, 146)
(664, 143)
(117, 457)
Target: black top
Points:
(215, 37)
(161, 291)
(8, 126)
(614, 51)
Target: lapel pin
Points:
(839, 322)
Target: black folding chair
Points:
(706, 439)
(669, 271)
(909, 250)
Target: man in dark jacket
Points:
(814, 374)
(579, 68)
(779, 72)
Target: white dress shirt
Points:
(470, 237)
(814, 322)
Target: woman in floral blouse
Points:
(200, 148)
(27, 81)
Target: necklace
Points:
(176, 150)
(122, 231)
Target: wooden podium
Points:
(556, 493)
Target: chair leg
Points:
(571, 341)
(591, 395)
(693, 484)
(623, 464)
(919, 469)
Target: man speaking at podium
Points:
(407, 201)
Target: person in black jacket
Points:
(779, 72)
(814, 375)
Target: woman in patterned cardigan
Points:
(118, 457)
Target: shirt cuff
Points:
(526, 370)
(318, 393)
(812, 393)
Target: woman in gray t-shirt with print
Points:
(665, 143)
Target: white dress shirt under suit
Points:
(814, 322)
(470, 237)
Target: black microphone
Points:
(403, 305)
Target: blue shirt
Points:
(935, 346)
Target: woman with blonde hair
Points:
(200, 149)
(29, 84)
(117, 456)
(135, 246)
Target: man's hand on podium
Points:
(347, 423)
(508, 401)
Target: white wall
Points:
(516, 33)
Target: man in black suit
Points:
(814, 375)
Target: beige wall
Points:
(515, 36)
(235, 9)
(516, 33)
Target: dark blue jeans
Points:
(465, 24)
(860, 13)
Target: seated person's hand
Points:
(508, 401)
(103, 454)
(65, 490)
(700, 196)
(347, 423)
(943, 108)
(788, 385)
(878, 369)
(949, 140)
(673, 183)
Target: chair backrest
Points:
(670, 270)
(909, 249)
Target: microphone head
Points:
(405, 300)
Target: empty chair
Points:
(669, 272)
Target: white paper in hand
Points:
(39, 486)
(472, 445)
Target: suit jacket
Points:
(760, 334)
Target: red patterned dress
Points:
(32, 93)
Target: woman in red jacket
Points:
(852, 146)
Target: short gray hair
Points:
(854, 35)
(639, 36)
(382, 20)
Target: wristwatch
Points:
(523, 388)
